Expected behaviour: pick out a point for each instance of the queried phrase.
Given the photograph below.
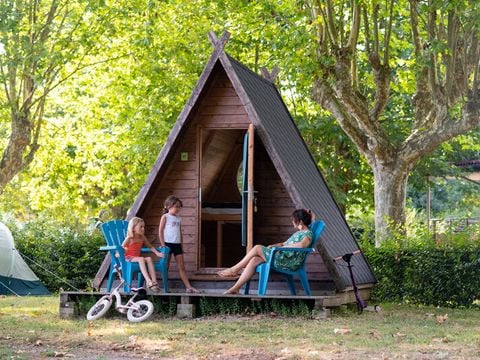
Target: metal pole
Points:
(428, 204)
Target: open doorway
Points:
(221, 198)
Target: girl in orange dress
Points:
(133, 244)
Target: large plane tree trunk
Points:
(390, 197)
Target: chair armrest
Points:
(271, 264)
(164, 250)
(306, 250)
(277, 249)
(108, 248)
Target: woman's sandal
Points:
(192, 290)
(154, 287)
(230, 292)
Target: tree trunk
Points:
(12, 161)
(390, 200)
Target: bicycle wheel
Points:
(142, 311)
(99, 309)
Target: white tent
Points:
(16, 277)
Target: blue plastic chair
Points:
(115, 232)
(265, 269)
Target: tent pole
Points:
(428, 204)
(6, 287)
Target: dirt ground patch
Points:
(32, 329)
(124, 352)
(136, 347)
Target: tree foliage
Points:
(401, 78)
(42, 44)
(106, 124)
(122, 72)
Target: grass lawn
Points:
(30, 328)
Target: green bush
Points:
(416, 268)
(425, 273)
(61, 256)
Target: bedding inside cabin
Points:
(221, 208)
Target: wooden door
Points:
(220, 198)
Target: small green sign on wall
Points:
(184, 156)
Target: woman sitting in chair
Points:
(302, 238)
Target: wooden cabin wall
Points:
(220, 108)
(180, 180)
(272, 221)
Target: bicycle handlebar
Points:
(346, 257)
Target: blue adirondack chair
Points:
(265, 269)
(115, 232)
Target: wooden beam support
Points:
(102, 272)
(270, 75)
(218, 43)
(251, 193)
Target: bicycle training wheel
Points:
(142, 311)
(99, 309)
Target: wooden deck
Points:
(187, 304)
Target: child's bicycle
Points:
(137, 311)
(347, 258)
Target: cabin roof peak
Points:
(218, 44)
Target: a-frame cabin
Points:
(235, 127)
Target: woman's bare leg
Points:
(256, 251)
(246, 275)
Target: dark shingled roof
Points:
(297, 168)
(290, 156)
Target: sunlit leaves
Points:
(105, 125)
